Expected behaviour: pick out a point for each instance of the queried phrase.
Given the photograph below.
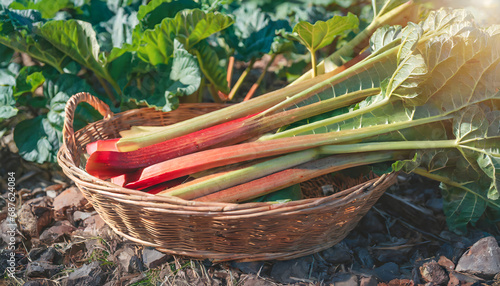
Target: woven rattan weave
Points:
(217, 231)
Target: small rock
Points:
(431, 272)
(457, 279)
(88, 275)
(95, 226)
(435, 204)
(371, 223)
(338, 254)
(285, 271)
(364, 257)
(387, 272)
(368, 281)
(42, 269)
(81, 216)
(123, 257)
(34, 216)
(69, 198)
(51, 194)
(398, 256)
(153, 258)
(49, 254)
(56, 232)
(446, 263)
(344, 279)
(249, 267)
(36, 253)
(482, 259)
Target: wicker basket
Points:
(217, 231)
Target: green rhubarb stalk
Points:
(295, 175)
(243, 76)
(201, 187)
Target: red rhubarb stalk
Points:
(102, 145)
(107, 164)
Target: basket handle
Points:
(69, 112)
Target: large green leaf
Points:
(31, 77)
(5, 55)
(320, 34)
(162, 88)
(59, 90)
(461, 206)
(8, 75)
(76, 39)
(37, 139)
(156, 10)
(7, 103)
(209, 65)
(253, 33)
(195, 25)
(48, 8)
(16, 32)
(189, 27)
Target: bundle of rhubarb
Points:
(426, 98)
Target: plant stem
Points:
(387, 146)
(448, 181)
(313, 63)
(259, 80)
(213, 93)
(107, 90)
(230, 66)
(237, 85)
(330, 81)
(326, 122)
(201, 187)
(295, 175)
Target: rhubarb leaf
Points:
(16, 32)
(32, 77)
(37, 139)
(155, 11)
(163, 87)
(157, 46)
(209, 65)
(253, 33)
(461, 206)
(196, 25)
(384, 37)
(48, 8)
(189, 27)
(59, 90)
(7, 103)
(77, 39)
(322, 33)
